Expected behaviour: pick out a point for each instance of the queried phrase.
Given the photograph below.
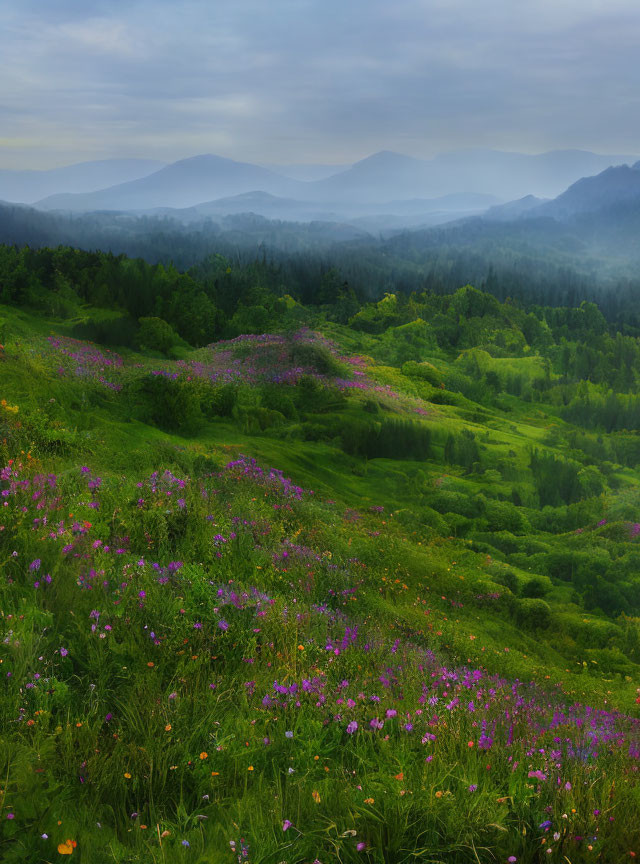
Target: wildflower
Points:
(186, 843)
(127, 775)
(438, 794)
(204, 755)
(286, 825)
(67, 847)
(288, 734)
(360, 846)
(167, 728)
(11, 815)
(250, 768)
(63, 652)
(352, 727)
(473, 787)
(316, 796)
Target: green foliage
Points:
(156, 335)
(171, 405)
(534, 614)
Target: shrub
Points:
(536, 587)
(156, 335)
(168, 404)
(533, 613)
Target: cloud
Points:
(296, 80)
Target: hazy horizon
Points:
(338, 166)
(306, 82)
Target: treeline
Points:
(123, 301)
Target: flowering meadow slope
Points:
(208, 659)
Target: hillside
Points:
(344, 581)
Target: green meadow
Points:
(282, 581)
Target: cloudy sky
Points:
(314, 80)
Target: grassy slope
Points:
(190, 745)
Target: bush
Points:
(504, 516)
(219, 401)
(171, 405)
(536, 587)
(424, 371)
(276, 398)
(533, 613)
(156, 335)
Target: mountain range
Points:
(363, 189)
(595, 222)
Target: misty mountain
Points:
(27, 187)
(611, 188)
(514, 209)
(592, 228)
(376, 180)
(181, 184)
(387, 175)
(259, 203)
(389, 216)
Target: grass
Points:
(226, 666)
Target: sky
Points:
(314, 81)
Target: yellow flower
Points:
(316, 796)
(250, 768)
(127, 775)
(204, 755)
(368, 800)
(438, 794)
(67, 847)
(167, 728)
